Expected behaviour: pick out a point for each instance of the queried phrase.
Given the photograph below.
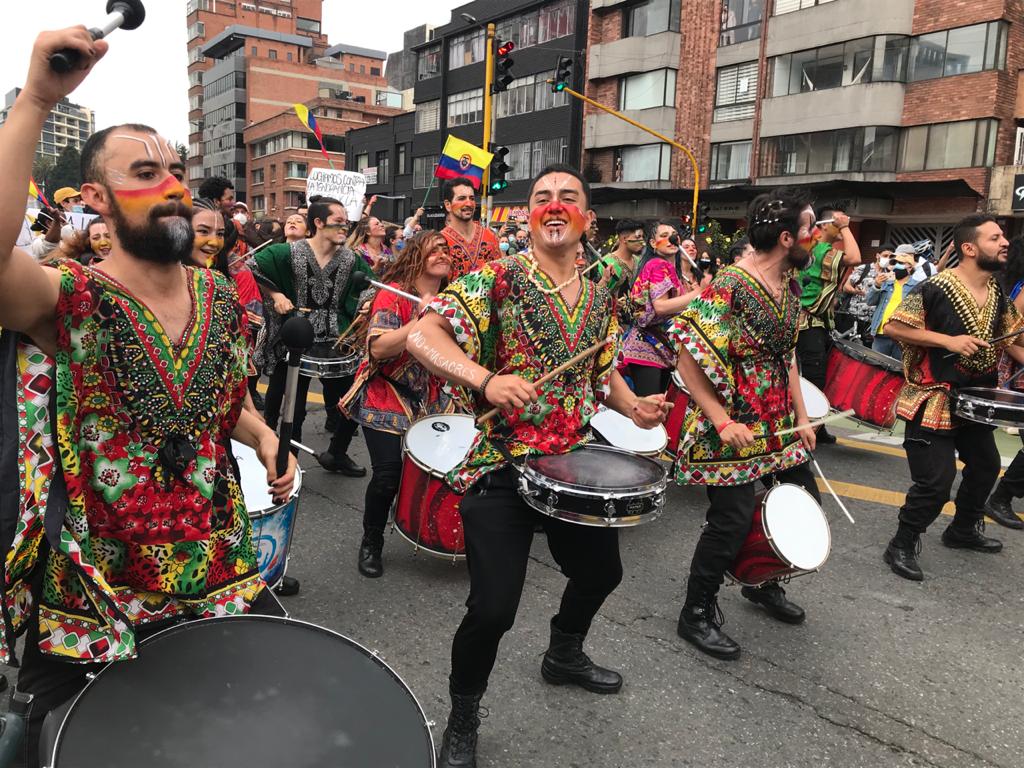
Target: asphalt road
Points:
(885, 672)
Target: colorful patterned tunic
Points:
(156, 525)
(944, 304)
(744, 341)
(390, 395)
(505, 323)
(646, 342)
(469, 255)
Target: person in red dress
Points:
(392, 389)
(470, 243)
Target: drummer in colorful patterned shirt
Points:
(392, 389)
(736, 355)
(495, 331)
(470, 243)
(945, 325)
(145, 522)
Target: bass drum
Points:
(246, 691)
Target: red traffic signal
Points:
(504, 49)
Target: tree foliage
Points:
(66, 172)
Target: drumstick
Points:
(588, 352)
(302, 447)
(830, 490)
(812, 424)
(996, 340)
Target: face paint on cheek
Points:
(102, 245)
(576, 222)
(140, 201)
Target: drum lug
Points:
(552, 499)
(968, 408)
(609, 512)
(991, 413)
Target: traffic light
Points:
(703, 218)
(563, 74)
(499, 169)
(502, 66)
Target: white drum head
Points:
(441, 442)
(814, 400)
(254, 479)
(678, 381)
(622, 433)
(797, 526)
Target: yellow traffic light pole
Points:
(485, 209)
(642, 127)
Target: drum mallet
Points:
(363, 281)
(123, 14)
(831, 490)
(297, 335)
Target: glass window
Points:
(965, 50)
(296, 170)
(929, 52)
(257, 176)
(518, 159)
(521, 30)
(466, 107)
(649, 89)
(401, 159)
(272, 54)
(651, 17)
(423, 171)
(518, 99)
(362, 162)
(788, 6)
(196, 30)
(650, 162)
(879, 149)
(730, 162)
(307, 25)
(383, 162)
(466, 49)
(543, 98)
(950, 145)
(736, 93)
(556, 20)
(895, 59)
(258, 203)
(428, 116)
(848, 150)
(741, 21)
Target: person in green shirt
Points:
(315, 275)
(619, 266)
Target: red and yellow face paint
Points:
(139, 202)
(576, 222)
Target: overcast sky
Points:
(144, 77)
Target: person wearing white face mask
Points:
(895, 279)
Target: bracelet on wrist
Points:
(720, 428)
(483, 384)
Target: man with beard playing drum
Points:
(736, 347)
(496, 331)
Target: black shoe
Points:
(332, 421)
(287, 587)
(825, 437)
(903, 560)
(344, 465)
(973, 538)
(999, 509)
(700, 623)
(371, 564)
(772, 597)
(458, 743)
(565, 662)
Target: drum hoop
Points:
(973, 394)
(650, 454)
(451, 556)
(407, 451)
(771, 539)
(277, 619)
(546, 482)
(257, 514)
(856, 352)
(594, 521)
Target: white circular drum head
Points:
(797, 526)
(815, 402)
(441, 442)
(254, 479)
(622, 433)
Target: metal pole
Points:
(666, 139)
(485, 210)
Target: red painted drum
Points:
(865, 381)
(789, 537)
(680, 398)
(427, 510)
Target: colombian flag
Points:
(309, 120)
(33, 191)
(460, 158)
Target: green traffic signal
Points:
(499, 185)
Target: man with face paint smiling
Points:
(495, 331)
(150, 378)
(470, 243)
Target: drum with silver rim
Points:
(621, 432)
(330, 367)
(595, 485)
(995, 407)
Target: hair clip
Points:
(770, 213)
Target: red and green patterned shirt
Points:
(504, 322)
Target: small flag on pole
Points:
(33, 190)
(309, 120)
(460, 158)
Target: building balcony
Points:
(634, 54)
(603, 5)
(838, 22)
(604, 130)
(834, 108)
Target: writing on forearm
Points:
(438, 360)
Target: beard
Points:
(798, 257)
(990, 263)
(158, 241)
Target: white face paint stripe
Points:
(143, 142)
(159, 149)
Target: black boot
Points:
(371, 564)
(772, 597)
(565, 662)
(700, 623)
(902, 558)
(458, 744)
(1000, 509)
(974, 538)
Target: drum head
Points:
(797, 527)
(441, 442)
(597, 468)
(247, 690)
(254, 479)
(621, 432)
(814, 400)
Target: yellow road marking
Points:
(315, 397)
(872, 495)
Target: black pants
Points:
(1012, 482)
(812, 353)
(333, 390)
(499, 528)
(932, 458)
(730, 515)
(648, 380)
(386, 460)
(52, 682)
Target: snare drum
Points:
(620, 432)
(272, 524)
(865, 381)
(330, 367)
(679, 396)
(426, 509)
(789, 537)
(245, 690)
(995, 407)
(595, 485)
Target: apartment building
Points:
(67, 124)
